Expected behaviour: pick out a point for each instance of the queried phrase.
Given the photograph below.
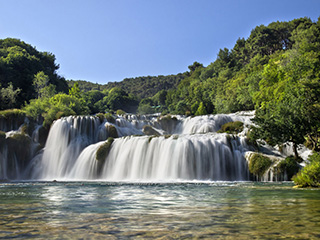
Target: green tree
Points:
(9, 96)
(20, 62)
(42, 86)
(75, 91)
(201, 110)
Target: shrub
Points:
(12, 117)
(12, 114)
(309, 176)
(289, 165)
(110, 118)
(259, 164)
(231, 127)
(120, 112)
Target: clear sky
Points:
(109, 40)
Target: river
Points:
(161, 210)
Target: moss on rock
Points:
(288, 166)
(19, 145)
(168, 123)
(110, 118)
(11, 119)
(149, 130)
(104, 150)
(231, 127)
(259, 164)
(101, 117)
(112, 131)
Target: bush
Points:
(12, 117)
(289, 165)
(259, 164)
(110, 118)
(58, 106)
(309, 176)
(12, 114)
(120, 112)
(231, 127)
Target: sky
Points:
(104, 41)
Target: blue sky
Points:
(109, 40)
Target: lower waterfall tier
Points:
(187, 157)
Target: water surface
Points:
(185, 210)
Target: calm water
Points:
(100, 210)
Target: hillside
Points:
(141, 87)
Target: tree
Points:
(194, 66)
(42, 86)
(284, 120)
(201, 110)
(9, 96)
(75, 90)
(20, 62)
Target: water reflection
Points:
(181, 210)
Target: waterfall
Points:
(189, 149)
(130, 148)
(202, 157)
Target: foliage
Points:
(288, 99)
(42, 86)
(120, 112)
(8, 96)
(289, 166)
(259, 164)
(116, 99)
(101, 117)
(309, 176)
(12, 114)
(201, 110)
(231, 127)
(92, 99)
(55, 107)
(110, 118)
(19, 63)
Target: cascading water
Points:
(194, 151)
(187, 157)
(132, 148)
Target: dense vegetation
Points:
(275, 71)
(19, 63)
(141, 87)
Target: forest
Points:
(275, 71)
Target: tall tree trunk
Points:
(295, 150)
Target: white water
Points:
(195, 151)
